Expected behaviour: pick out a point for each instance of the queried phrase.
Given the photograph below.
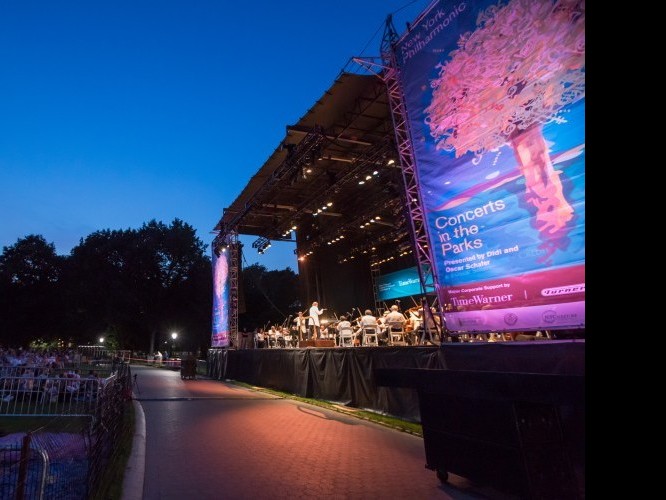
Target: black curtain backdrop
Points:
(341, 375)
(347, 375)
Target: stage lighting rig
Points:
(261, 244)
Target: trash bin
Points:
(188, 368)
(521, 433)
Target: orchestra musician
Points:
(272, 336)
(301, 325)
(288, 338)
(383, 326)
(366, 321)
(394, 316)
(414, 318)
(431, 324)
(260, 338)
(343, 323)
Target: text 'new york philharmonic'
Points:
(433, 25)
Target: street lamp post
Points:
(101, 350)
(174, 336)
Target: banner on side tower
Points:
(221, 303)
(495, 95)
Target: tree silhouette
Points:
(269, 295)
(133, 286)
(141, 285)
(516, 72)
(126, 285)
(30, 291)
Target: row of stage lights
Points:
(335, 240)
(317, 211)
(223, 248)
(308, 170)
(353, 256)
(307, 254)
(368, 177)
(289, 231)
(392, 257)
(371, 221)
(378, 262)
(325, 207)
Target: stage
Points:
(347, 374)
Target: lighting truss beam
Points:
(373, 156)
(293, 162)
(302, 130)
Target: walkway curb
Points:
(136, 464)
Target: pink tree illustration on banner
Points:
(509, 77)
(221, 291)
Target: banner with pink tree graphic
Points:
(221, 289)
(495, 95)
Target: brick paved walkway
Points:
(206, 439)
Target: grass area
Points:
(378, 418)
(111, 484)
(9, 425)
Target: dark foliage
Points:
(134, 287)
(270, 296)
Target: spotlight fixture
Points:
(261, 244)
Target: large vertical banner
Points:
(221, 287)
(495, 96)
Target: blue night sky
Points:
(113, 113)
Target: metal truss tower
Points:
(374, 275)
(234, 275)
(414, 203)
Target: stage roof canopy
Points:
(335, 177)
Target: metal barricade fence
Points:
(23, 470)
(99, 371)
(68, 477)
(49, 396)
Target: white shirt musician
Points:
(343, 323)
(301, 325)
(366, 321)
(395, 316)
(313, 319)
